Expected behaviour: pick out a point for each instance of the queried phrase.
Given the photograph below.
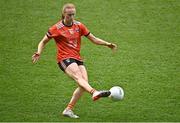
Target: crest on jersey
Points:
(77, 29)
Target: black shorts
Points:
(66, 62)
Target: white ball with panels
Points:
(117, 93)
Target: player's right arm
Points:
(52, 33)
(41, 46)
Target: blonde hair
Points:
(67, 5)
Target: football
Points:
(117, 93)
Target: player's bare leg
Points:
(74, 72)
(79, 74)
(85, 76)
(77, 94)
(78, 91)
(75, 97)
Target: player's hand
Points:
(112, 46)
(35, 57)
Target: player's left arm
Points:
(99, 41)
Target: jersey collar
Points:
(67, 25)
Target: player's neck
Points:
(67, 23)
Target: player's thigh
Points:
(83, 72)
(73, 71)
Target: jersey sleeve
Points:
(52, 32)
(84, 30)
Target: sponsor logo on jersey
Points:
(71, 31)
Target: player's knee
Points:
(77, 75)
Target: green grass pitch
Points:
(146, 65)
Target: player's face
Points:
(70, 13)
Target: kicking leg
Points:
(74, 72)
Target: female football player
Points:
(67, 34)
